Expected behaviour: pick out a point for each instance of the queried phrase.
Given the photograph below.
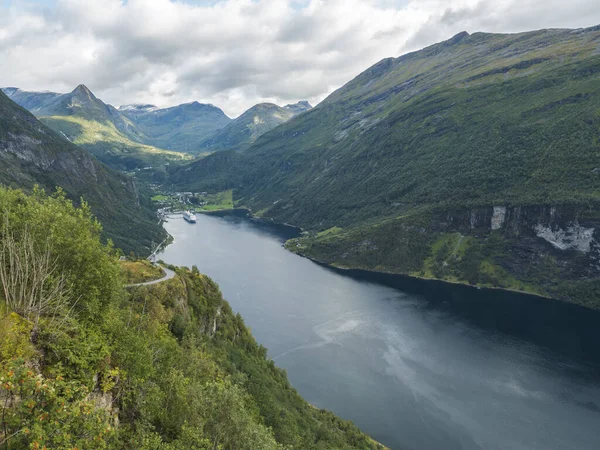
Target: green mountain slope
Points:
(85, 120)
(168, 366)
(243, 131)
(33, 154)
(179, 128)
(487, 135)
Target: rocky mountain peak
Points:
(83, 89)
(298, 107)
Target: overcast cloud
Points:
(236, 53)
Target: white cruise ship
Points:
(189, 216)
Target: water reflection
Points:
(418, 365)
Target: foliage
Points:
(72, 236)
(140, 271)
(34, 155)
(29, 277)
(15, 335)
(167, 366)
(39, 412)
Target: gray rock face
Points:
(299, 107)
(498, 217)
(573, 236)
(535, 233)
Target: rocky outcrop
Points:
(573, 236)
(498, 217)
(567, 234)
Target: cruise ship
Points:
(189, 216)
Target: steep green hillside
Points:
(488, 135)
(32, 154)
(179, 128)
(105, 142)
(83, 119)
(243, 131)
(167, 366)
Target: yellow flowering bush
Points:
(42, 413)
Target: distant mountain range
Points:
(179, 128)
(243, 131)
(83, 119)
(135, 136)
(31, 154)
(473, 160)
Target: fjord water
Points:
(417, 365)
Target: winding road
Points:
(168, 275)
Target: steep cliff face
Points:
(32, 154)
(569, 234)
(551, 250)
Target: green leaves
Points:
(171, 363)
(41, 412)
(72, 236)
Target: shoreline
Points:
(430, 280)
(399, 276)
(221, 211)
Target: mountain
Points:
(136, 109)
(83, 119)
(167, 365)
(473, 160)
(179, 128)
(243, 131)
(32, 101)
(299, 107)
(33, 154)
(81, 102)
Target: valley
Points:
(406, 360)
(411, 263)
(419, 148)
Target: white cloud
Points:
(235, 53)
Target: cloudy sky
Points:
(236, 53)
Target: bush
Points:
(41, 413)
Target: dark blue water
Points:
(417, 365)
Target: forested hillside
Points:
(473, 160)
(31, 154)
(86, 364)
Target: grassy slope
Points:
(33, 154)
(109, 145)
(179, 128)
(469, 123)
(86, 120)
(217, 202)
(433, 129)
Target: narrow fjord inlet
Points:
(300, 225)
(452, 368)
